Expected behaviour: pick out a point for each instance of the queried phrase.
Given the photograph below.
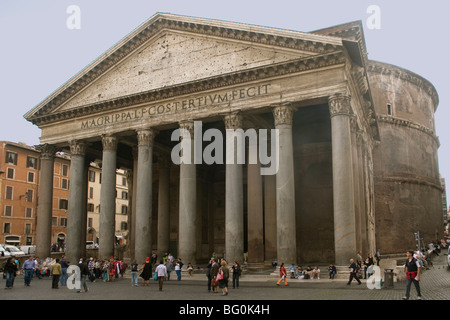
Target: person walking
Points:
(84, 272)
(112, 269)
(146, 272)
(56, 272)
(283, 275)
(412, 272)
(378, 257)
(178, 270)
(208, 273)
(213, 274)
(236, 274)
(10, 268)
(134, 274)
(225, 275)
(161, 270)
(64, 265)
(169, 267)
(29, 266)
(353, 272)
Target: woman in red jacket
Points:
(112, 269)
(282, 275)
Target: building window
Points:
(31, 177)
(28, 212)
(65, 170)
(124, 195)
(27, 228)
(90, 207)
(64, 183)
(123, 226)
(10, 173)
(7, 227)
(91, 192)
(11, 158)
(91, 176)
(9, 193)
(124, 181)
(89, 222)
(29, 195)
(32, 162)
(389, 109)
(8, 211)
(29, 241)
(124, 209)
(54, 221)
(63, 204)
(63, 222)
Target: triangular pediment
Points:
(174, 58)
(169, 50)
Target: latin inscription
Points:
(204, 101)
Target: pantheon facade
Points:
(356, 145)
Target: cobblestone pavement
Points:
(435, 285)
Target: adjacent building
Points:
(19, 187)
(19, 176)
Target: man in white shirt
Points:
(161, 270)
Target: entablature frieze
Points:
(262, 74)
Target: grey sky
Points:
(39, 53)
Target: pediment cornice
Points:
(314, 44)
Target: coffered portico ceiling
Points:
(171, 55)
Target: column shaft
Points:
(255, 209)
(234, 192)
(45, 196)
(163, 207)
(285, 193)
(343, 188)
(187, 241)
(75, 213)
(108, 197)
(143, 227)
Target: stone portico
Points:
(173, 70)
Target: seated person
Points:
(292, 271)
(300, 272)
(316, 273)
(332, 271)
(308, 272)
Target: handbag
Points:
(220, 275)
(155, 276)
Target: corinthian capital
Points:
(78, 147)
(339, 104)
(233, 120)
(283, 114)
(146, 137)
(47, 151)
(109, 142)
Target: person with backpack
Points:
(412, 272)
